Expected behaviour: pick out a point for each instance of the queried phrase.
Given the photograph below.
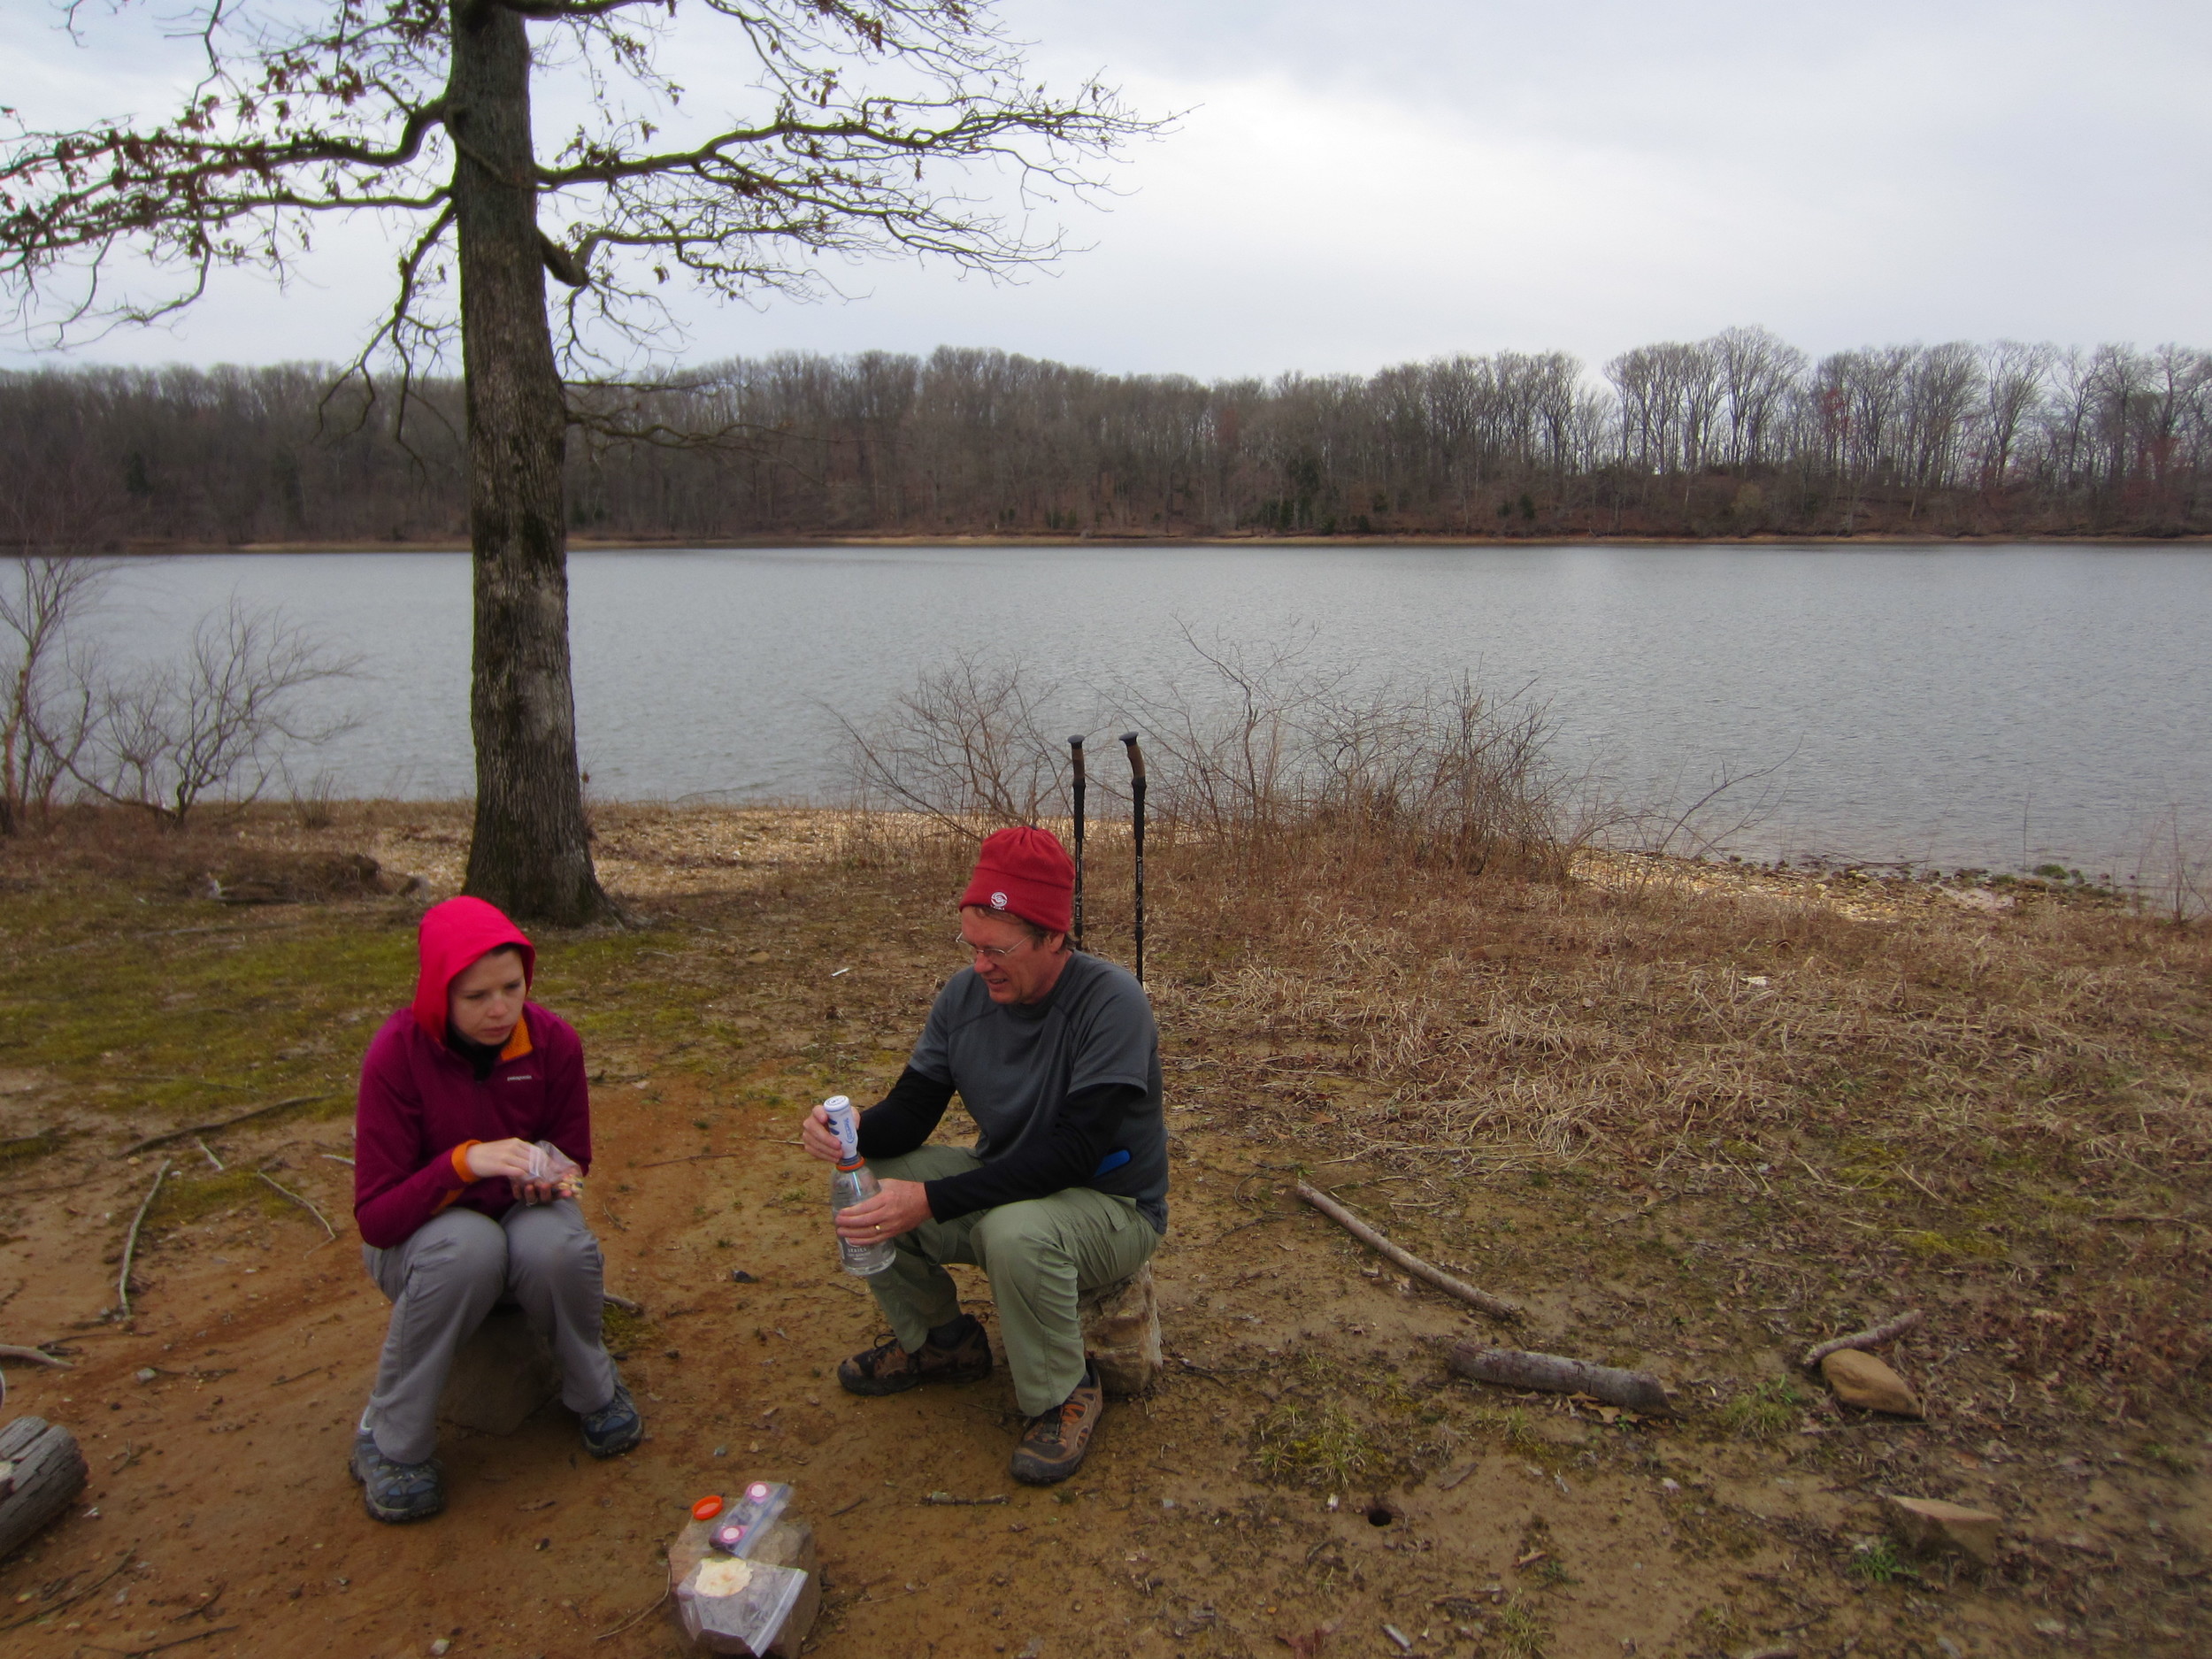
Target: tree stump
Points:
(500, 1375)
(41, 1473)
(1121, 1328)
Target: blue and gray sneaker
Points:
(394, 1491)
(614, 1427)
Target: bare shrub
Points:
(1255, 759)
(46, 716)
(1234, 746)
(213, 723)
(1705, 826)
(1262, 757)
(965, 745)
(315, 802)
(2172, 877)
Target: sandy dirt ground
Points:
(1455, 1520)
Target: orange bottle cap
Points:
(706, 1508)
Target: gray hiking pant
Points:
(1041, 1255)
(446, 1277)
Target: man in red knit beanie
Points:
(1056, 1055)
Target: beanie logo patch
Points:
(998, 901)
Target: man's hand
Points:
(901, 1207)
(819, 1139)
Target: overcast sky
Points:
(1355, 186)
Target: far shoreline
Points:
(666, 544)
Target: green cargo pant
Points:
(1041, 1253)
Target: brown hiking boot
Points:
(1052, 1446)
(888, 1369)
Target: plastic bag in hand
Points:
(551, 1166)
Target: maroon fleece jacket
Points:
(421, 1101)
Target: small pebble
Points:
(147, 1375)
(739, 1275)
(441, 1648)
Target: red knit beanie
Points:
(1025, 873)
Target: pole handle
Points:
(1075, 752)
(1136, 755)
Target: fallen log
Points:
(1873, 1336)
(1511, 1368)
(41, 1473)
(1497, 1307)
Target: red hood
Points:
(453, 935)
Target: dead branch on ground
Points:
(1497, 1307)
(1511, 1368)
(209, 1129)
(130, 1239)
(32, 1355)
(1873, 1336)
(633, 1619)
(98, 1584)
(302, 1202)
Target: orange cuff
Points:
(461, 1161)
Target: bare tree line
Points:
(1742, 434)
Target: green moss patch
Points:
(27, 1149)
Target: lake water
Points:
(1985, 706)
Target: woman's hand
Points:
(819, 1139)
(515, 1160)
(901, 1207)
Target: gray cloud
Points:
(1354, 186)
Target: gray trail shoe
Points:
(888, 1369)
(395, 1492)
(614, 1427)
(1053, 1446)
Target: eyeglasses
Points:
(998, 953)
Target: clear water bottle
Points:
(854, 1183)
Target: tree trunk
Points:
(531, 853)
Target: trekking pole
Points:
(1136, 821)
(1075, 751)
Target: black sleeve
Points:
(1081, 1135)
(902, 1119)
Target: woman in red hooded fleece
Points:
(455, 1205)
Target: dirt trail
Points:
(1307, 1475)
(222, 1475)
